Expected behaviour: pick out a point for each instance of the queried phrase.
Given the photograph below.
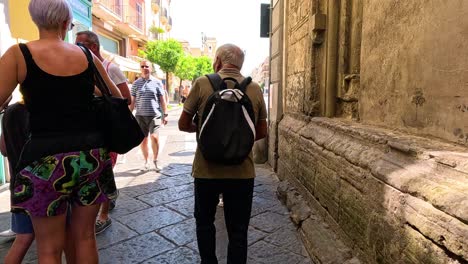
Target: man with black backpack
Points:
(230, 114)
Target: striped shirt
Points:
(147, 95)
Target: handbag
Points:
(121, 130)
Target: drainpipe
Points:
(333, 10)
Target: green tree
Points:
(186, 68)
(203, 66)
(165, 53)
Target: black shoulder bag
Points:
(121, 130)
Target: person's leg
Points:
(237, 197)
(144, 148)
(22, 226)
(144, 125)
(19, 248)
(206, 199)
(69, 249)
(104, 213)
(103, 221)
(155, 147)
(154, 130)
(82, 233)
(50, 237)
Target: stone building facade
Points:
(369, 122)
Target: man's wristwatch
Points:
(166, 115)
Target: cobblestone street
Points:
(153, 221)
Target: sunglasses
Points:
(71, 26)
(144, 67)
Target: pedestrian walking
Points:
(15, 131)
(148, 97)
(64, 160)
(219, 171)
(90, 40)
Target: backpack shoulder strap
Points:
(245, 83)
(215, 81)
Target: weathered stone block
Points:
(421, 250)
(275, 69)
(442, 229)
(372, 190)
(276, 16)
(276, 38)
(324, 243)
(401, 94)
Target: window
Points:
(139, 16)
(118, 7)
(109, 44)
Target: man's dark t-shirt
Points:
(15, 129)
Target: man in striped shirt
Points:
(151, 110)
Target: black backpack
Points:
(227, 131)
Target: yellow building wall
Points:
(21, 25)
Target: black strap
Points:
(27, 56)
(87, 52)
(100, 83)
(26, 53)
(215, 81)
(245, 83)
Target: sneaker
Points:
(156, 168)
(102, 225)
(8, 234)
(146, 167)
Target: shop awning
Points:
(130, 65)
(125, 64)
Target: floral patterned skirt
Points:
(47, 186)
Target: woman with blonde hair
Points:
(64, 162)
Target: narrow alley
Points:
(153, 221)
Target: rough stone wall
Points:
(396, 198)
(415, 67)
(298, 66)
(276, 61)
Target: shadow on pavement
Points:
(182, 153)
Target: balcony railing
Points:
(114, 6)
(169, 24)
(136, 21)
(155, 5)
(132, 22)
(163, 17)
(128, 19)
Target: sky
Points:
(229, 21)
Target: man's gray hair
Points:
(92, 37)
(230, 54)
(50, 14)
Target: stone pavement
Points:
(153, 220)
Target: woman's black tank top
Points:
(57, 104)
